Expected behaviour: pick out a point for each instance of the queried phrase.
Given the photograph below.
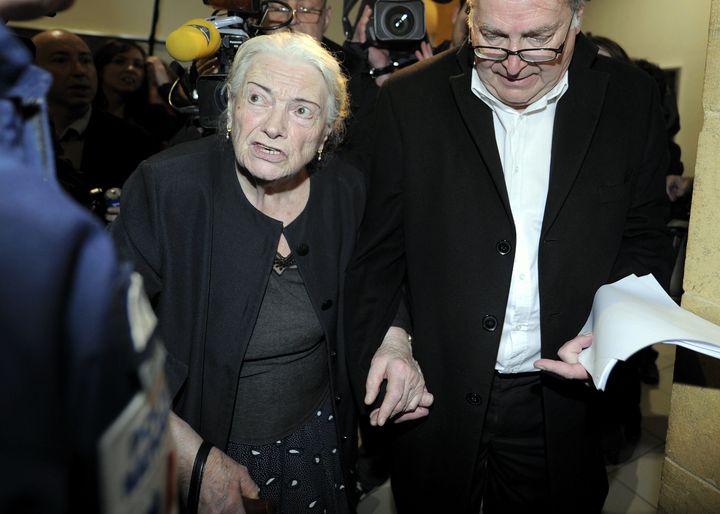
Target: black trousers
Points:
(511, 473)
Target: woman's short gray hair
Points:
(304, 48)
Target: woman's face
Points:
(125, 71)
(278, 117)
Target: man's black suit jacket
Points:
(438, 215)
(112, 149)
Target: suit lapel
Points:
(576, 119)
(478, 119)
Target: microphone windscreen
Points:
(195, 39)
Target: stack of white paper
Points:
(636, 312)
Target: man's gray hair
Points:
(303, 48)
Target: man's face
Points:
(516, 25)
(70, 62)
(305, 22)
(29, 9)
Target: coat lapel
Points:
(478, 119)
(576, 119)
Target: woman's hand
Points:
(224, 484)
(569, 365)
(224, 481)
(405, 393)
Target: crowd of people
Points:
(325, 264)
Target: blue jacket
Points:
(24, 130)
(68, 365)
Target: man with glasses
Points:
(311, 17)
(512, 178)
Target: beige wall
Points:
(691, 471)
(124, 18)
(671, 33)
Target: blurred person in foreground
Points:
(243, 239)
(81, 371)
(545, 181)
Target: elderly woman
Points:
(243, 241)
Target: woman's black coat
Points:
(206, 254)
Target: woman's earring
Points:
(228, 133)
(320, 150)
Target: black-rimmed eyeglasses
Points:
(529, 55)
(278, 13)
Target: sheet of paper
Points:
(636, 312)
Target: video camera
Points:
(394, 24)
(219, 36)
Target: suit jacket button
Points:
(338, 398)
(473, 399)
(302, 249)
(503, 247)
(490, 323)
(326, 305)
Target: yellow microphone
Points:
(195, 39)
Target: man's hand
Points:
(111, 213)
(405, 393)
(207, 65)
(568, 366)
(677, 186)
(156, 71)
(377, 57)
(425, 51)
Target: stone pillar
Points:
(691, 472)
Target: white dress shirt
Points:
(524, 142)
(72, 139)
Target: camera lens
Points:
(399, 21)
